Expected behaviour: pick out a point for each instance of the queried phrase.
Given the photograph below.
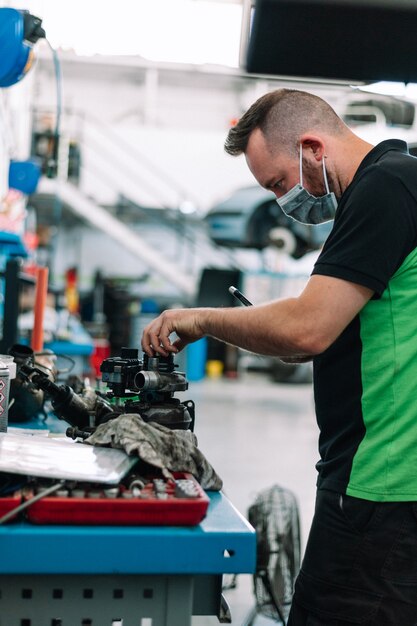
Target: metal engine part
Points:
(147, 387)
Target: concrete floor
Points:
(257, 433)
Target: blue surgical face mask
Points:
(303, 207)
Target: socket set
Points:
(141, 501)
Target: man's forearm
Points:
(306, 325)
(274, 329)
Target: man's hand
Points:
(184, 322)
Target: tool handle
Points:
(239, 295)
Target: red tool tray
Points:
(173, 511)
(8, 503)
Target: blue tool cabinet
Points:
(129, 576)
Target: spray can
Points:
(4, 396)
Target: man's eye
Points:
(278, 184)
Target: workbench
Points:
(135, 576)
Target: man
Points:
(357, 319)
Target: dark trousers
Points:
(360, 564)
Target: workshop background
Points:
(114, 178)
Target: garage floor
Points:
(257, 433)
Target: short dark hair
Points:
(282, 116)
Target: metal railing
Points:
(128, 175)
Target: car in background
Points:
(251, 218)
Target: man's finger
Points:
(155, 342)
(179, 344)
(146, 343)
(164, 340)
(151, 339)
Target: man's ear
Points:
(314, 145)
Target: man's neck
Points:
(349, 157)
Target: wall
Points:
(176, 117)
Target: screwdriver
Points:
(239, 295)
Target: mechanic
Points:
(357, 319)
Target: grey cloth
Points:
(172, 450)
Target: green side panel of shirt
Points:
(385, 464)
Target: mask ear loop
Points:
(301, 164)
(326, 184)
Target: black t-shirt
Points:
(360, 379)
